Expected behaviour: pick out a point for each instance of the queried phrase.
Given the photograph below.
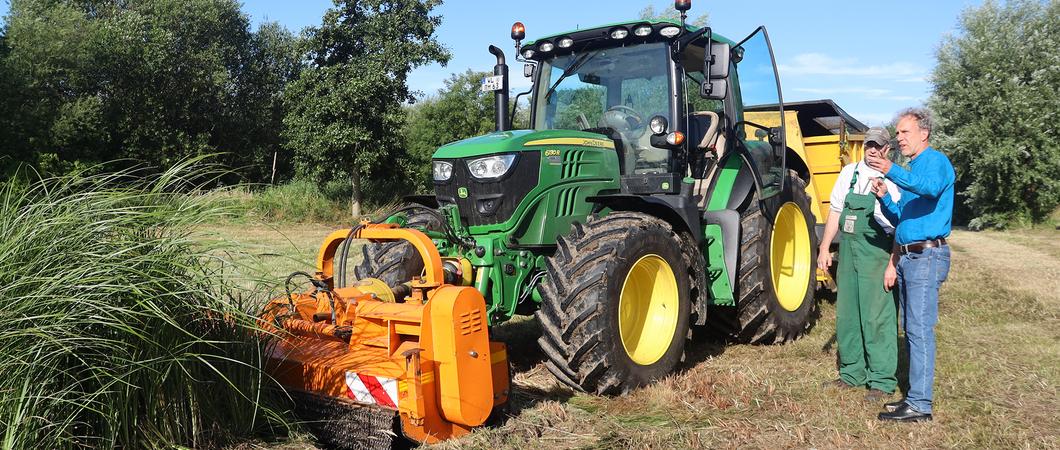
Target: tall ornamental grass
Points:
(117, 327)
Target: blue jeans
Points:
(919, 277)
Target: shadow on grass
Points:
(520, 335)
(704, 345)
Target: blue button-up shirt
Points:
(925, 208)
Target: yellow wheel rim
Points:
(648, 309)
(790, 255)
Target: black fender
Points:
(677, 210)
(747, 178)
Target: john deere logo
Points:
(462, 192)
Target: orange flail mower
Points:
(420, 350)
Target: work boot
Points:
(838, 383)
(876, 395)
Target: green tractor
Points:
(641, 202)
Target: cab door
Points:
(761, 132)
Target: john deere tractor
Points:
(641, 201)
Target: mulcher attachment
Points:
(421, 350)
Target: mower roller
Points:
(420, 350)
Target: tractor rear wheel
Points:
(616, 304)
(395, 262)
(776, 281)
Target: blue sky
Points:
(872, 58)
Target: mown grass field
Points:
(996, 382)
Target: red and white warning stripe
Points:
(372, 390)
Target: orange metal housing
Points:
(427, 356)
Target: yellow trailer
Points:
(821, 139)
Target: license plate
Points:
(492, 83)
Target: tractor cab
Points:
(670, 96)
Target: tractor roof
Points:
(629, 24)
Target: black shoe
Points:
(905, 413)
(890, 407)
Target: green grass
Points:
(118, 327)
(298, 201)
(996, 386)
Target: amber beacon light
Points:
(518, 31)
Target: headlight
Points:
(619, 33)
(566, 42)
(670, 31)
(443, 170)
(528, 53)
(658, 125)
(642, 30)
(545, 47)
(490, 167)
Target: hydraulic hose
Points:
(447, 229)
(340, 271)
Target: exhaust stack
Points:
(501, 96)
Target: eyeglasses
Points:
(874, 146)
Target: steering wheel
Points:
(583, 122)
(625, 120)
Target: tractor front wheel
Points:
(395, 262)
(616, 304)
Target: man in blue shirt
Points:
(923, 215)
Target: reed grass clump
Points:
(117, 327)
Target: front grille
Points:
(489, 202)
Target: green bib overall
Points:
(866, 315)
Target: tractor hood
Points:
(520, 140)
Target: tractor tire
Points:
(395, 262)
(616, 303)
(775, 282)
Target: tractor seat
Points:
(706, 132)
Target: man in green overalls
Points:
(866, 314)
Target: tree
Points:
(668, 12)
(996, 95)
(458, 111)
(150, 81)
(344, 110)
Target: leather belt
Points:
(917, 247)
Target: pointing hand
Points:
(879, 187)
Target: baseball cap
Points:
(878, 135)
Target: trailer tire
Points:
(395, 262)
(615, 304)
(765, 313)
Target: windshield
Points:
(617, 88)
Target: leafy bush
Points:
(118, 328)
(296, 201)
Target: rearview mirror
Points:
(528, 70)
(717, 61)
(713, 89)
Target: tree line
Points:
(152, 82)
(83, 82)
